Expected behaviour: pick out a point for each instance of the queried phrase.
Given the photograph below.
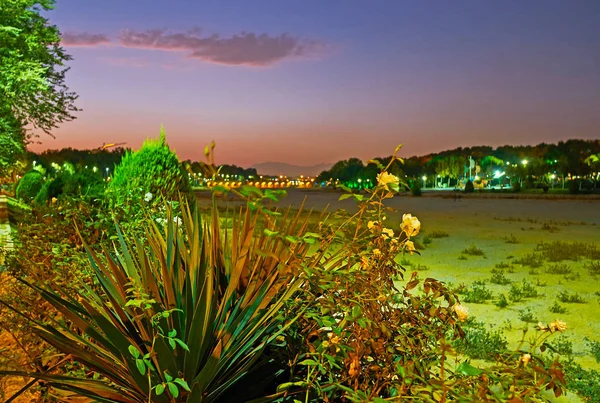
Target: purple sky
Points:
(306, 81)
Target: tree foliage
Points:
(32, 73)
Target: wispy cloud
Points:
(84, 39)
(243, 49)
(246, 49)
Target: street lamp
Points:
(424, 182)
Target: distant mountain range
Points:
(281, 168)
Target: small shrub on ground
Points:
(549, 228)
(511, 239)
(479, 342)
(575, 276)
(477, 293)
(520, 292)
(427, 240)
(502, 302)
(439, 234)
(556, 308)
(473, 250)
(559, 251)
(526, 315)
(558, 268)
(462, 257)
(532, 260)
(498, 277)
(571, 298)
(593, 268)
(502, 265)
(405, 262)
(29, 186)
(594, 347)
(563, 345)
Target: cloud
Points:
(244, 49)
(84, 39)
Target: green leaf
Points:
(467, 369)
(134, 351)
(356, 311)
(160, 389)
(172, 343)
(292, 239)
(141, 366)
(345, 196)
(181, 382)
(287, 385)
(308, 362)
(168, 377)
(182, 345)
(249, 191)
(172, 333)
(173, 390)
(270, 233)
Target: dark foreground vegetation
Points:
(135, 293)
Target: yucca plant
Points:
(183, 316)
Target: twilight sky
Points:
(311, 81)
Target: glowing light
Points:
(507, 163)
(424, 178)
(95, 169)
(524, 162)
(553, 176)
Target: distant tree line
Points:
(527, 165)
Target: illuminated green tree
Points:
(32, 72)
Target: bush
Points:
(29, 186)
(594, 348)
(556, 308)
(153, 169)
(477, 293)
(516, 186)
(573, 186)
(586, 383)
(473, 250)
(480, 343)
(498, 277)
(469, 187)
(439, 234)
(526, 316)
(571, 298)
(415, 188)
